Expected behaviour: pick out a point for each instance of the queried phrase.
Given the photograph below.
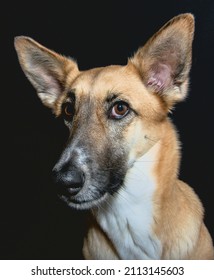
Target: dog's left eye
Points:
(119, 110)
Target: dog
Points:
(122, 157)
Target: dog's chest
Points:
(127, 218)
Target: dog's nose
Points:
(69, 178)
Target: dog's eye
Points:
(119, 110)
(68, 110)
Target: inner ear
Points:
(167, 62)
(159, 76)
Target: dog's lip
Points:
(68, 191)
(73, 190)
(83, 204)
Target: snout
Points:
(85, 180)
(76, 189)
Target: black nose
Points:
(68, 178)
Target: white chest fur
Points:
(127, 217)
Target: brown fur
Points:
(153, 80)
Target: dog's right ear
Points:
(48, 71)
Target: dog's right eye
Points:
(68, 111)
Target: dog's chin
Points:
(83, 204)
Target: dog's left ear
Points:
(164, 61)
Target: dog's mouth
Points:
(92, 192)
(87, 197)
(82, 203)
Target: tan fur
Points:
(177, 211)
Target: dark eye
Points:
(119, 110)
(68, 110)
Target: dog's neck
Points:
(128, 216)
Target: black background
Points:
(33, 222)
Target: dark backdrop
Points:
(34, 224)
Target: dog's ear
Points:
(164, 61)
(47, 71)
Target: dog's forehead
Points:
(99, 85)
(98, 82)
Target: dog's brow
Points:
(111, 96)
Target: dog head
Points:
(114, 113)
